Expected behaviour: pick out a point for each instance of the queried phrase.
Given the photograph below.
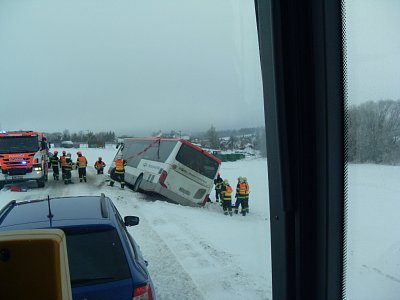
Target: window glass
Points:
(19, 144)
(95, 257)
(197, 161)
(143, 68)
(373, 173)
(135, 150)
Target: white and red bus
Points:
(23, 157)
(174, 168)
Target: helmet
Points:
(69, 154)
(240, 178)
(119, 156)
(100, 158)
(244, 179)
(226, 181)
(79, 153)
(64, 152)
(55, 152)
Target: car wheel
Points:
(136, 187)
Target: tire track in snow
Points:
(213, 270)
(381, 273)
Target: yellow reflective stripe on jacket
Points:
(247, 189)
(119, 166)
(63, 161)
(54, 161)
(242, 189)
(228, 193)
(82, 162)
(68, 165)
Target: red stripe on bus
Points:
(180, 140)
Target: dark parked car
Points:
(104, 260)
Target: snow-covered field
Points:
(373, 245)
(193, 253)
(198, 253)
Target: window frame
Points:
(302, 68)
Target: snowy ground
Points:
(198, 253)
(193, 253)
(373, 256)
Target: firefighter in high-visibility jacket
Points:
(63, 163)
(81, 164)
(68, 169)
(227, 198)
(55, 161)
(119, 171)
(218, 187)
(242, 196)
(99, 165)
(246, 200)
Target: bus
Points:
(174, 168)
(23, 157)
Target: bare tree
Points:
(373, 132)
(213, 137)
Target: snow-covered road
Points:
(193, 253)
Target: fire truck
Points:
(23, 157)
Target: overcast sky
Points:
(373, 50)
(129, 66)
(136, 66)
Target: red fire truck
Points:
(23, 157)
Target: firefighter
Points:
(242, 192)
(55, 161)
(63, 157)
(218, 187)
(227, 198)
(245, 203)
(238, 200)
(81, 164)
(120, 164)
(68, 169)
(99, 165)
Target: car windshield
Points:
(18, 144)
(100, 73)
(95, 256)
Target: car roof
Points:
(65, 212)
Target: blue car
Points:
(104, 260)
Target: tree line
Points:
(81, 136)
(373, 132)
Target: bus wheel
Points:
(40, 182)
(136, 187)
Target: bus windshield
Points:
(17, 144)
(197, 161)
